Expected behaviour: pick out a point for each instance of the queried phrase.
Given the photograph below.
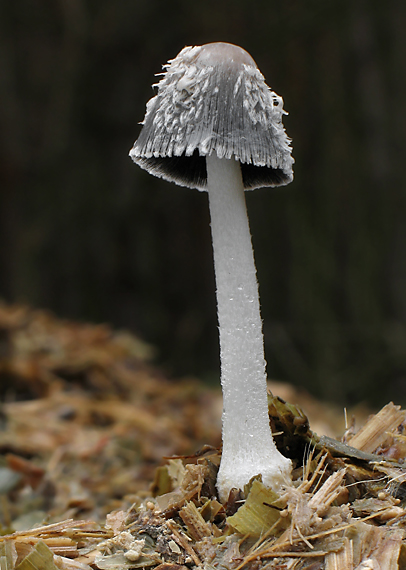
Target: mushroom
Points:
(216, 126)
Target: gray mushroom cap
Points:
(213, 98)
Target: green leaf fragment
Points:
(40, 558)
(162, 483)
(259, 513)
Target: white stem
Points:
(248, 446)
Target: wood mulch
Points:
(106, 463)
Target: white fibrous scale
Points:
(227, 108)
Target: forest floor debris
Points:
(86, 424)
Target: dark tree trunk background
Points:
(87, 234)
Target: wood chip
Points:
(377, 429)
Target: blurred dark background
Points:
(86, 233)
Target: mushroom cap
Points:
(213, 98)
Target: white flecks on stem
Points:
(248, 446)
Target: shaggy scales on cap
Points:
(214, 98)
